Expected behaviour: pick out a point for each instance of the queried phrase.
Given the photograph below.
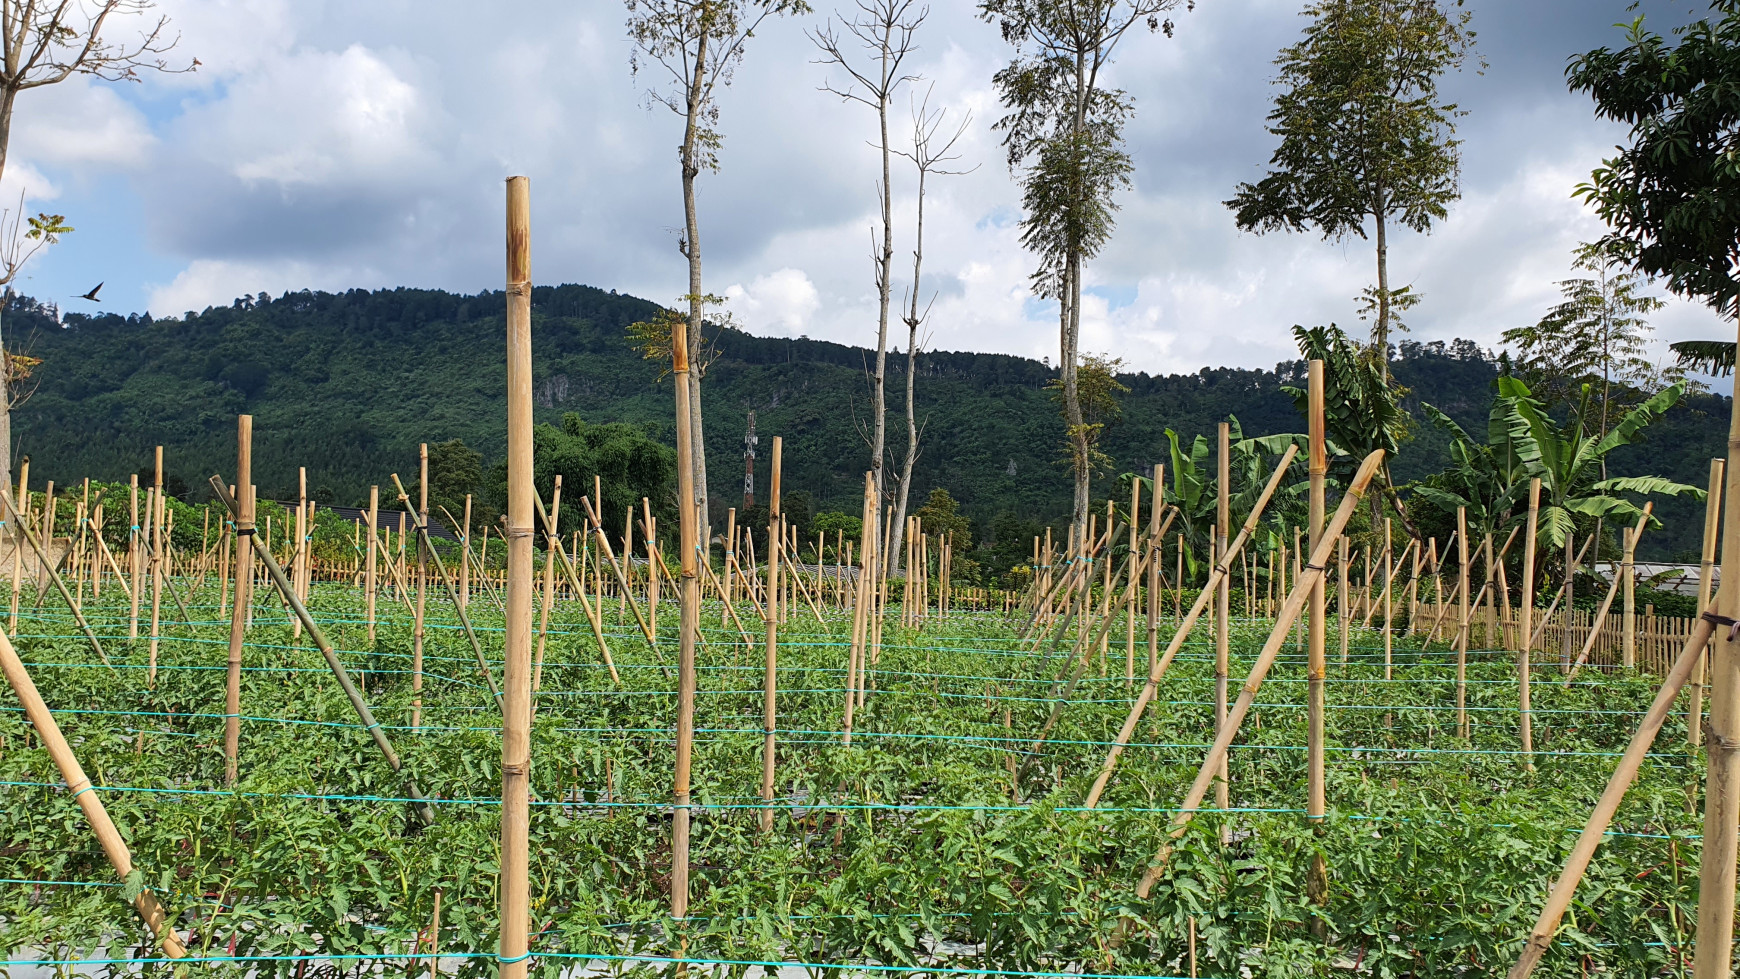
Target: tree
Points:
(699, 43)
(941, 517)
(1096, 405)
(929, 156)
(1598, 331)
(455, 470)
(630, 466)
(1523, 442)
(45, 44)
(1364, 137)
(1064, 133)
(885, 29)
(1195, 491)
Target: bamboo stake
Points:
(1706, 578)
(372, 580)
(79, 785)
(421, 526)
(514, 886)
(1342, 612)
(552, 548)
(861, 610)
(465, 563)
(1222, 618)
(18, 546)
(1595, 828)
(1607, 602)
(156, 544)
(689, 621)
(1155, 537)
(1218, 574)
(239, 613)
(769, 682)
(422, 587)
(276, 575)
(1265, 659)
(1628, 619)
(1316, 668)
(1462, 633)
(1525, 649)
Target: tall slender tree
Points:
(45, 44)
(1365, 139)
(699, 44)
(1064, 135)
(1599, 331)
(930, 155)
(884, 29)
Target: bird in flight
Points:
(92, 295)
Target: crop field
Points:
(939, 834)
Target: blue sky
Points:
(332, 145)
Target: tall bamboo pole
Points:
(244, 578)
(1462, 633)
(157, 508)
(1722, 776)
(547, 594)
(1222, 603)
(371, 580)
(1628, 619)
(770, 676)
(23, 514)
(861, 606)
(1706, 579)
(689, 621)
(1154, 540)
(1525, 645)
(465, 561)
(1317, 465)
(79, 785)
(514, 886)
(422, 588)
(1342, 613)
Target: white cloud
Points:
(782, 300)
(215, 282)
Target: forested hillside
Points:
(348, 384)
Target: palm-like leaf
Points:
(1705, 356)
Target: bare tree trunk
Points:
(7, 96)
(911, 441)
(884, 264)
(1380, 334)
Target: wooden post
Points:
(1389, 573)
(1154, 541)
(514, 886)
(371, 579)
(1343, 614)
(114, 847)
(1569, 593)
(465, 559)
(1628, 620)
(552, 554)
(1222, 601)
(422, 588)
(1706, 575)
(157, 508)
(861, 606)
(1135, 568)
(23, 514)
(1462, 633)
(769, 682)
(1525, 645)
(244, 578)
(689, 622)
(1317, 465)
(1722, 776)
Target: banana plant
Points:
(1523, 442)
(1195, 489)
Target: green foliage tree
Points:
(941, 517)
(698, 43)
(1065, 132)
(1523, 443)
(1599, 331)
(1672, 198)
(630, 464)
(1364, 135)
(1096, 406)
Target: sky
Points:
(330, 145)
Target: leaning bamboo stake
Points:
(552, 547)
(1155, 536)
(1628, 617)
(1600, 619)
(515, 889)
(592, 516)
(276, 575)
(769, 681)
(83, 793)
(422, 528)
(1595, 828)
(239, 613)
(1290, 609)
(1525, 649)
(18, 546)
(1706, 572)
(1218, 574)
(861, 606)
